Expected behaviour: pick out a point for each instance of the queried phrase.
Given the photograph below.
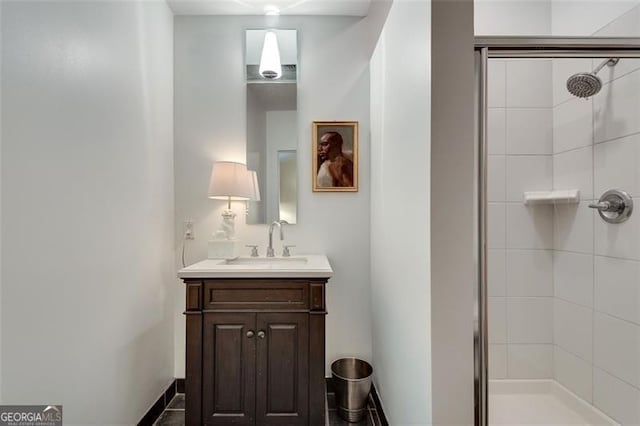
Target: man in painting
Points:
(336, 169)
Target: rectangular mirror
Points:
(272, 124)
(288, 168)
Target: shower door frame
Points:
(517, 48)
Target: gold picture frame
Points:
(335, 156)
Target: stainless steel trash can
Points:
(352, 382)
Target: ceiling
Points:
(257, 7)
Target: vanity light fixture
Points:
(270, 66)
(230, 181)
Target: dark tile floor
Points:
(173, 415)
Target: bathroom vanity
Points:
(255, 341)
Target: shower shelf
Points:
(564, 196)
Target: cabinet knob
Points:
(250, 334)
(261, 334)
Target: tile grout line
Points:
(595, 366)
(593, 144)
(615, 376)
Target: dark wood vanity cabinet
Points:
(255, 352)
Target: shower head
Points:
(587, 84)
(584, 84)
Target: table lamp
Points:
(229, 181)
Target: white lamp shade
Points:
(254, 185)
(270, 66)
(230, 181)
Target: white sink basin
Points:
(307, 266)
(264, 261)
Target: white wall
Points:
(87, 207)
(513, 17)
(210, 125)
(585, 17)
(400, 155)
(548, 17)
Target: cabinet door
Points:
(228, 369)
(282, 382)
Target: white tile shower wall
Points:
(498, 319)
(497, 130)
(529, 273)
(527, 173)
(616, 165)
(529, 131)
(496, 173)
(574, 372)
(529, 84)
(573, 277)
(530, 320)
(498, 361)
(496, 226)
(572, 121)
(616, 108)
(574, 170)
(586, 336)
(573, 329)
(520, 237)
(616, 398)
(529, 227)
(530, 361)
(617, 288)
(497, 273)
(573, 227)
(617, 347)
(596, 265)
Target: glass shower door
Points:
(563, 252)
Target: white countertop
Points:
(302, 266)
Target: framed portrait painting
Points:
(335, 156)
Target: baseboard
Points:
(161, 403)
(179, 385)
(374, 396)
(379, 409)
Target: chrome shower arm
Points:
(611, 62)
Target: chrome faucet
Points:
(278, 223)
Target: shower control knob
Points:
(614, 206)
(606, 206)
